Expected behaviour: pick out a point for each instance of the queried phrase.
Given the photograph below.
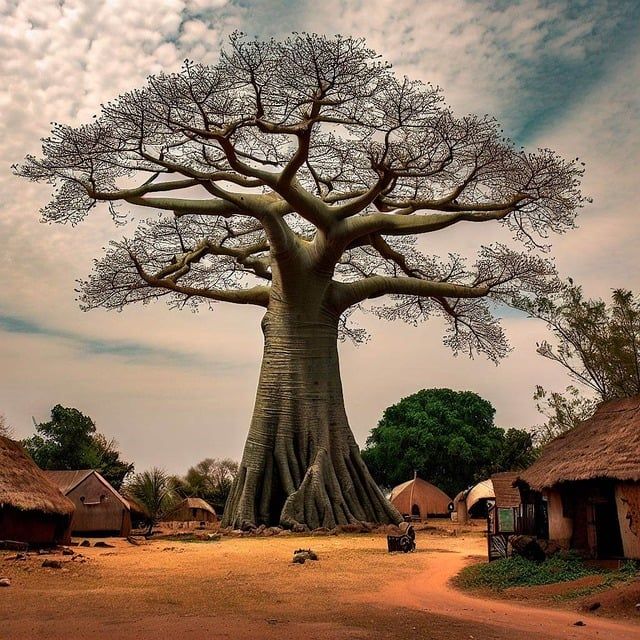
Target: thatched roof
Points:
(24, 486)
(194, 503)
(605, 446)
(429, 498)
(136, 506)
(68, 480)
(506, 494)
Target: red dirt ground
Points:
(248, 588)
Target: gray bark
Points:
(301, 464)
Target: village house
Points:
(192, 510)
(100, 509)
(588, 480)
(472, 503)
(32, 509)
(419, 499)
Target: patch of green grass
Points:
(518, 572)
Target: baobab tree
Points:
(297, 175)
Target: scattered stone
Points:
(579, 623)
(85, 543)
(593, 606)
(237, 532)
(52, 564)
(638, 607)
(67, 552)
(260, 530)
(305, 554)
(136, 540)
(213, 537)
(299, 558)
(104, 545)
(300, 528)
(18, 556)
(5, 582)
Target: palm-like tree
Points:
(154, 489)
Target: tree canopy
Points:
(448, 437)
(598, 344)
(306, 142)
(70, 441)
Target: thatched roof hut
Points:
(419, 499)
(605, 446)
(192, 510)
(100, 509)
(590, 478)
(32, 509)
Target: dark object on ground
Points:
(136, 540)
(405, 542)
(85, 543)
(579, 623)
(532, 548)
(5, 582)
(52, 564)
(104, 545)
(593, 606)
(67, 552)
(300, 556)
(18, 556)
(13, 545)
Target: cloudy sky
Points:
(174, 387)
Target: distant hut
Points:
(419, 499)
(32, 509)
(192, 510)
(100, 509)
(472, 503)
(589, 481)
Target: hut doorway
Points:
(415, 512)
(607, 528)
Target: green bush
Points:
(518, 572)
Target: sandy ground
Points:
(248, 588)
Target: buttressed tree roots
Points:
(297, 175)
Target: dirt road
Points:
(248, 588)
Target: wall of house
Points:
(98, 510)
(628, 505)
(33, 527)
(560, 527)
(186, 514)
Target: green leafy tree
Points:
(70, 441)
(597, 343)
(211, 479)
(154, 490)
(517, 451)
(447, 436)
(298, 176)
(562, 411)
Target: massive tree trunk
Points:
(301, 464)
